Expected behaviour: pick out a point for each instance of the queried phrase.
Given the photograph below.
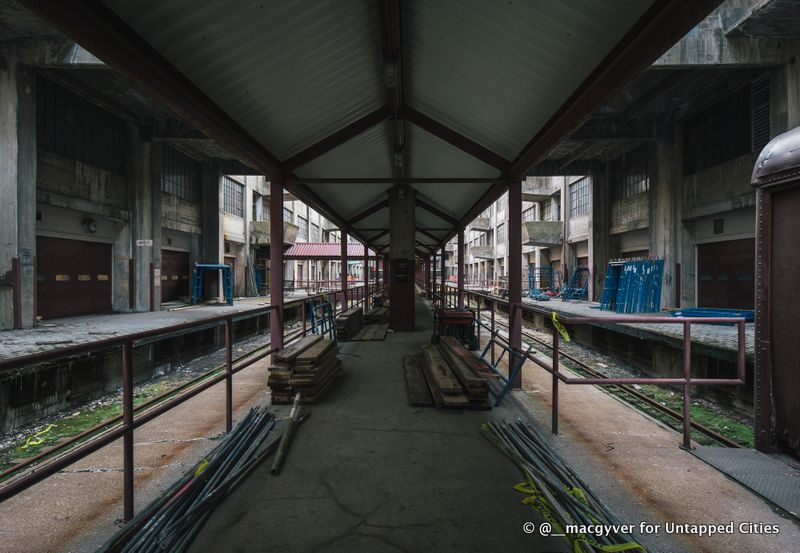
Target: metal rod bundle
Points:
(556, 491)
(172, 521)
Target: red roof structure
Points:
(325, 250)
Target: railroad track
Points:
(668, 416)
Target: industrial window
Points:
(630, 174)
(233, 196)
(579, 197)
(302, 222)
(759, 111)
(288, 216)
(69, 125)
(718, 133)
(180, 175)
(547, 210)
(529, 214)
(314, 233)
(501, 236)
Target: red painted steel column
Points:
(343, 274)
(366, 278)
(276, 264)
(127, 424)
(515, 269)
(444, 280)
(460, 268)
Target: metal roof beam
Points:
(338, 138)
(367, 212)
(98, 29)
(456, 139)
(663, 24)
(436, 211)
(384, 180)
(392, 44)
(430, 235)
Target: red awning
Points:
(325, 250)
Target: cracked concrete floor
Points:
(369, 473)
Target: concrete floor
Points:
(369, 473)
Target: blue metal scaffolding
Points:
(197, 281)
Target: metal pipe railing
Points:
(686, 382)
(160, 405)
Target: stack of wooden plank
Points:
(349, 323)
(447, 375)
(309, 366)
(377, 315)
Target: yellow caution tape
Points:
(201, 467)
(537, 501)
(559, 327)
(36, 439)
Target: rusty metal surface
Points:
(74, 277)
(779, 160)
(726, 274)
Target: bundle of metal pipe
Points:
(558, 493)
(172, 521)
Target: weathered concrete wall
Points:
(665, 194)
(630, 213)
(179, 214)
(578, 228)
(723, 187)
(65, 182)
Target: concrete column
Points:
(515, 267)
(402, 222)
(276, 263)
(18, 193)
(665, 197)
(146, 270)
(599, 232)
(460, 268)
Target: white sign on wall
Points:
(144, 242)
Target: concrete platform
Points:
(57, 333)
(713, 340)
(369, 473)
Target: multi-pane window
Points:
(180, 175)
(314, 233)
(302, 233)
(579, 197)
(69, 125)
(630, 174)
(288, 216)
(233, 197)
(720, 132)
(501, 235)
(547, 210)
(529, 214)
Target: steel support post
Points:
(228, 375)
(366, 278)
(444, 280)
(127, 424)
(515, 270)
(276, 264)
(460, 268)
(554, 421)
(687, 388)
(343, 274)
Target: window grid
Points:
(529, 214)
(288, 216)
(233, 197)
(302, 222)
(180, 175)
(501, 235)
(579, 197)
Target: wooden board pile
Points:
(349, 323)
(309, 366)
(377, 315)
(447, 375)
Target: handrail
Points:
(687, 381)
(357, 295)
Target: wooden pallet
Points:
(349, 323)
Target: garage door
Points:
(74, 277)
(725, 274)
(174, 275)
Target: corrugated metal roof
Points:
(324, 250)
(497, 71)
(290, 73)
